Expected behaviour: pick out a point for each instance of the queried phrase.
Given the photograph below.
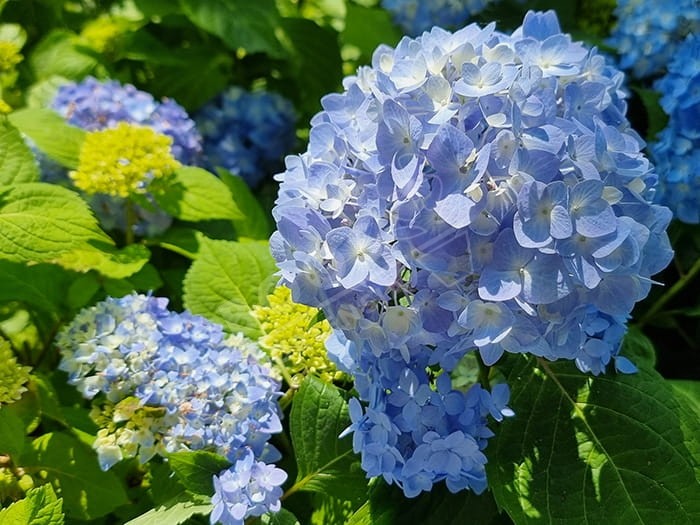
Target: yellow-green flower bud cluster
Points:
(123, 160)
(13, 376)
(294, 335)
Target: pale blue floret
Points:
(494, 199)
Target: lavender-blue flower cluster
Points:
(247, 133)
(214, 394)
(648, 32)
(416, 16)
(677, 152)
(95, 105)
(469, 190)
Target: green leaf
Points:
(147, 279)
(43, 126)
(226, 280)
(239, 23)
(282, 517)
(194, 194)
(11, 433)
(40, 286)
(657, 119)
(61, 53)
(314, 57)
(366, 28)
(17, 162)
(195, 469)
(256, 224)
(173, 512)
(687, 393)
(72, 468)
(325, 463)
(608, 449)
(388, 506)
(40, 507)
(106, 259)
(638, 348)
(181, 240)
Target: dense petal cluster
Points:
(293, 335)
(248, 488)
(247, 133)
(648, 32)
(173, 381)
(13, 376)
(95, 105)
(416, 16)
(677, 152)
(469, 190)
(122, 161)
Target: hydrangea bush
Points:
(454, 305)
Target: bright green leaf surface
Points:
(172, 513)
(72, 466)
(17, 162)
(226, 280)
(585, 449)
(11, 433)
(41, 286)
(239, 23)
(61, 53)
(40, 507)
(195, 470)
(325, 463)
(256, 224)
(283, 517)
(194, 194)
(43, 126)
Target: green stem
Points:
(670, 294)
(130, 222)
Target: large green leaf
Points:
(72, 468)
(17, 162)
(314, 58)
(40, 507)
(195, 469)
(194, 194)
(256, 224)
(226, 280)
(282, 517)
(325, 463)
(42, 222)
(583, 449)
(242, 24)
(11, 433)
(687, 393)
(366, 28)
(43, 126)
(41, 286)
(173, 512)
(61, 53)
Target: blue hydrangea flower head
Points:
(677, 151)
(473, 191)
(416, 16)
(95, 105)
(247, 133)
(213, 392)
(648, 33)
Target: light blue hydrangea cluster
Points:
(677, 153)
(95, 105)
(648, 32)
(469, 190)
(247, 133)
(416, 16)
(198, 389)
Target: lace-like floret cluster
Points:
(469, 190)
(175, 381)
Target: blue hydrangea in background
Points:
(648, 33)
(677, 152)
(247, 133)
(470, 191)
(94, 105)
(416, 16)
(206, 389)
